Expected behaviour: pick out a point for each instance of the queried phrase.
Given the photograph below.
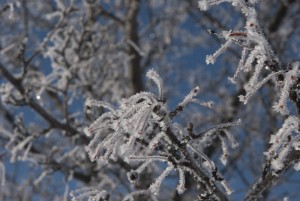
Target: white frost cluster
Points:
(286, 139)
(125, 130)
(119, 131)
(257, 53)
(289, 79)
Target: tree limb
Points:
(17, 83)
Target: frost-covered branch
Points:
(258, 56)
(60, 58)
(140, 130)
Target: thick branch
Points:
(131, 34)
